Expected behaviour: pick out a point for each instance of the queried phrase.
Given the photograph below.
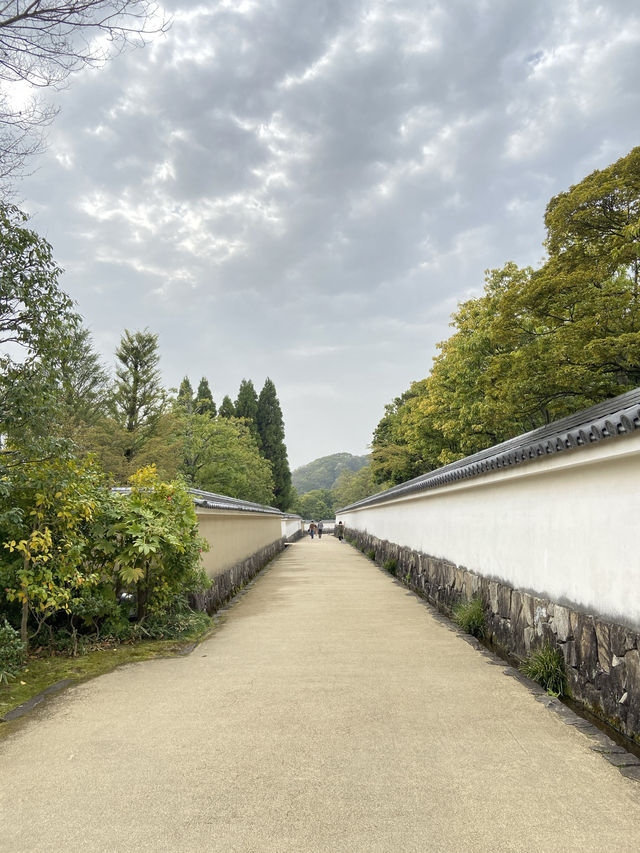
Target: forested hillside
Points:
(322, 473)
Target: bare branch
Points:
(43, 42)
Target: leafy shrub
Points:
(11, 652)
(546, 666)
(390, 565)
(469, 615)
(371, 554)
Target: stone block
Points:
(468, 585)
(632, 672)
(504, 600)
(493, 596)
(623, 640)
(529, 634)
(568, 650)
(528, 609)
(561, 623)
(586, 644)
(604, 645)
(540, 616)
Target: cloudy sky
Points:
(305, 189)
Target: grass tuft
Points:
(469, 615)
(546, 667)
(390, 565)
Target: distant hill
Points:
(322, 473)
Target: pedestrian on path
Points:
(320, 529)
(312, 529)
(340, 530)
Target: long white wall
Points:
(290, 525)
(566, 526)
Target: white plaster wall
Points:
(291, 526)
(566, 526)
(233, 536)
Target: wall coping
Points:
(617, 417)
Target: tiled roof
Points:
(618, 416)
(211, 500)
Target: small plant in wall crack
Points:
(469, 615)
(546, 666)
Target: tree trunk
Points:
(24, 635)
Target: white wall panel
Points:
(566, 526)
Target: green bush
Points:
(469, 615)
(11, 652)
(371, 554)
(546, 666)
(390, 565)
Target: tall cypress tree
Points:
(139, 397)
(204, 399)
(247, 407)
(226, 408)
(185, 395)
(271, 429)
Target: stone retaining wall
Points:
(225, 585)
(602, 658)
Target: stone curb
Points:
(30, 704)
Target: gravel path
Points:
(332, 711)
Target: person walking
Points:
(312, 529)
(320, 529)
(340, 530)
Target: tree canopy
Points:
(537, 344)
(271, 430)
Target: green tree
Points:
(395, 457)
(204, 399)
(37, 325)
(155, 534)
(246, 407)
(227, 409)
(352, 486)
(271, 430)
(316, 505)
(220, 455)
(47, 537)
(185, 395)
(537, 345)
(139, 397)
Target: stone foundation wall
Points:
(602, 658)
(225, 585)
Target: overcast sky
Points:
(305, 189)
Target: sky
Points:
(306, 190)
